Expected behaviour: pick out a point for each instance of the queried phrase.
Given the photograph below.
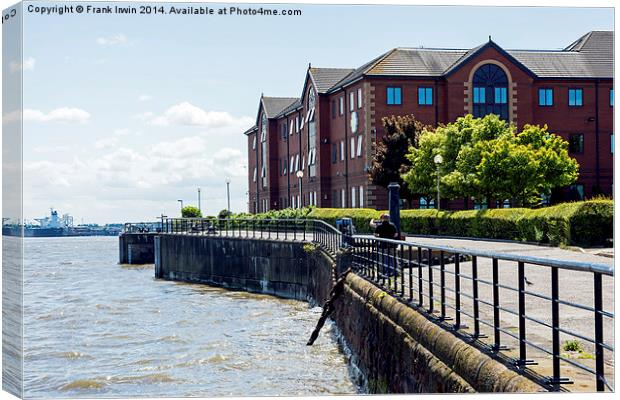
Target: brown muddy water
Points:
(93, 328)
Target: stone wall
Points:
(397, 349)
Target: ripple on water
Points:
(96, 329)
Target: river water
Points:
(94, 328)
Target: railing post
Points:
(598, 332)
(430, 281)
(420, 282)
(442, 286)
(457, 291)
(555, 323)
(497, 346)
(522, 344)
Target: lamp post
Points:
(228, 194)
(300, 174)
(199, 207)
(438, 160)
(181, 201)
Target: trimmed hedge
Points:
(585, 223)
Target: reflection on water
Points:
(95, 328)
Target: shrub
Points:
(572, 345)
(584, 223)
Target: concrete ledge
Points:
(480, 371)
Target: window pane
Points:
(397, 96)
(611, 97)
(421, 96)
(390, 95)
(549, 93)
(579, 97)
(429, 96)
(571, 97)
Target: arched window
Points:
(490, 92)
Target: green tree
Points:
(421, 175)
(191, 212)
(484, 159)
(390, 160)
(223, 214)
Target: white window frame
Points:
(292, 164)
(359, 145)
(297, 162)
(255, 174)
(303, 162)
(254, 143)
(352, 147)
(290, 131)
(343, 198)
(353, 197)
(341, 105)
(342, 150)
(359, 98)
(351, 101)
(361, 196)
(297, 124)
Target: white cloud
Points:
(188, 114)
(26, 65)
(63, 114)
(112, 40)
(122, 132)
(106, 143)
(144, 97)
(153, 177)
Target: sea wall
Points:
(136, 248)
(397, 349)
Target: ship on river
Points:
(55, 225)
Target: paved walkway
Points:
(594, 255)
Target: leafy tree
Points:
(484, 159)
(191, 212)
(223, 214)
(421, 176)
(390, 160)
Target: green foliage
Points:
(223, 214)
(310, 248)
(191, 212)
(421, 177)
(484, 159)
(583, 223)
(390, 161)
(572, 345)
(361, 216)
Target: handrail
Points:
(547, 262)
(415, 273)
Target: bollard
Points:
(394, 202)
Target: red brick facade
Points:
(341, 161)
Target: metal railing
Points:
(142, 227)
(514, 299)
(316, 231)
(454, 284)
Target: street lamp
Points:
(228, 194)
(199, 208)
(300, 174)
(181, 201)
(438, 160)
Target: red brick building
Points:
(328, 134)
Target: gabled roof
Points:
(293, 107)
(274, 105)
(324, 78)
(590, 56)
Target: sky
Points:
(126, 114)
